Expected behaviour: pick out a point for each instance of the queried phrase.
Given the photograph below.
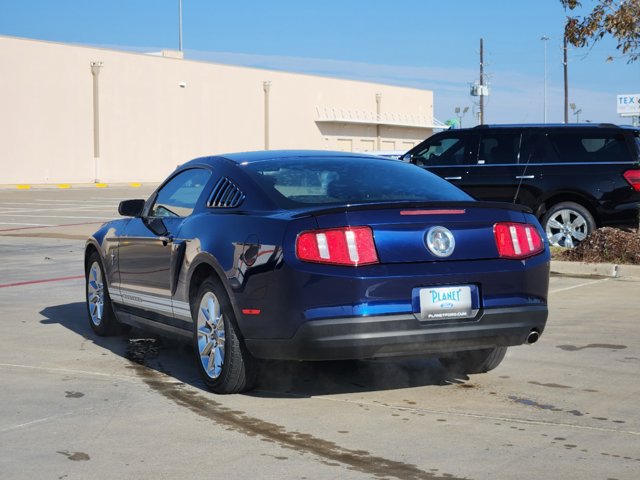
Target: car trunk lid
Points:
(401, 231)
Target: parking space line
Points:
(67, 371)
(459, 414)
(83, 209)
(34, 225)
(42, 420)
(49, 226)
(61, 216)
(46, 280)
(580, 285)
(38, 207)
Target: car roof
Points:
(265, 155)
(555, 125)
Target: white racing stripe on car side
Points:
(182, 309)
(154, 303)
(144, 301)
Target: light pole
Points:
(576, 112)
(544, 39)
(460, 114)
(180, 25)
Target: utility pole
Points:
(481, 82)
(566, 80)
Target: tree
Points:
(618, 18)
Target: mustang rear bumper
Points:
(402, 335)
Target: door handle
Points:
(453, 178)
(528, 177)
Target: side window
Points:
(537, 149)
(442, 151)
(591, 147)
(498, 148)
(179, 196)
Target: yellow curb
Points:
(64, 185)
(135, 184)
(23, 187)
(101, 185)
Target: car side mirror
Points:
(407, 158)
(131, 208)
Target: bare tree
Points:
(619, 19)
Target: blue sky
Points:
(424, 44)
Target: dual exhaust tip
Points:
(533, 337)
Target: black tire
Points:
(573, 216)
(237, 371)
(474, 361)
(104, 322)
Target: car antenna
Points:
(524, 172)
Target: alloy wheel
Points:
(566, 228)
(211, 335)
(95, 294)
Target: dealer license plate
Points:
(445, 303)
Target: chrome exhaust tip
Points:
(533, 337)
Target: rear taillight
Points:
(337, 246)
(517, 240)
(633, 177)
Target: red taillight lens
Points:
(517, 240)
(633, 177)
(338, 246)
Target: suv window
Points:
(178, 197)
(590, 147)
(537, 149)
(441, 151)
(498, 148)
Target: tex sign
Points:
(628, 105)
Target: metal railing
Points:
(345, 115)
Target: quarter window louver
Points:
(226, 194)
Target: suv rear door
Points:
(493, 172)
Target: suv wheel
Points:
(567, 224)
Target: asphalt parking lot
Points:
(77, 406)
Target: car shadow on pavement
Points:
(276, 378)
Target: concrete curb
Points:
(601, 269)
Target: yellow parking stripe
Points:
(23, 187)
(101, 185)
(135, 184)
(64, 185)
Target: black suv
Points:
(574, 177)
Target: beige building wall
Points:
(157, 112)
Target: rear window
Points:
(324, 181)
(590, 147)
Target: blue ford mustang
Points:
(319, 255)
